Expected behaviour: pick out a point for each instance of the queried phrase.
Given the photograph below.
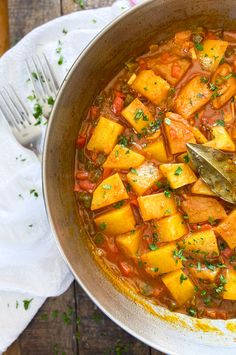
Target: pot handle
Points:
(4, 26)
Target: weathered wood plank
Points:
(97, 334)
(52, 329)
(28, 14)
(14, 349)
(69, 6)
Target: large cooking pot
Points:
(104, 57)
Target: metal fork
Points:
(44, 81)
(22, 122)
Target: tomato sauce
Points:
(182, 257)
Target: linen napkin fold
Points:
(31, 267)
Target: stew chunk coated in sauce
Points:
(154, 222)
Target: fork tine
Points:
(44, 82)
(35, 79)
(51, 74)
(20, 105)
(15, 115)
(8, 114)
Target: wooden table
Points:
(70, 324)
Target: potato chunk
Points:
(227, 229)
(157, 150)
(172, 68)
(156, 206)
(179, 285)
(151, 86)
(225, 83)
(110, 190)
(171, 228)
(192, 97)
(162, 260)
(211, 54)
(123, 158)
(230, 286)
(104, 136)
(178, 174)
(201, 244)
(112, 222)
(178, 133)
(138, 115)
(203, 273)
(200, 188)
(129, 242)
(200, 209)
(142, 178)
(222, 140)
(184, 158)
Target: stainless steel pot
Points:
(104, 57)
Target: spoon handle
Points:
(4, 28)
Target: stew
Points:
(156, 224)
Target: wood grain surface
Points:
(70, 324)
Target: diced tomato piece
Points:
(87, 185)
(227, 252)
(77, 187)
(112, 246)
(125, 268)
(211, 35)
(142, 64)
(134, 202)
(94, 156)
(157, 291)
(82, 175)
(165, 57)
(175, 71)
(118, 105)
(106, 172)
(81, 141)
(120, 94)
(201, 227)
(93, 111)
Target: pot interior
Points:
(127, 37)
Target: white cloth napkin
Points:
(31, 267)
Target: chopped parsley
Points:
(27, 303)
(80, 3)
(133, 171)
(182, 278)
(167, 193)
(106, 186)
(102, 226)
(178, 171)
(123, 141)
(60, 60)
(203, 79)
(34, 193)
(220, 123)
(213, 87)
(153, 246)
(178, 253)
(50, 100)
(186, 159)
(212, 221)
(192, 312)
(119, 204)
(198, 46)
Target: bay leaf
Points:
(217, 170)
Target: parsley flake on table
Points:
(27, 303)
(34, 193)
(60, 60)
